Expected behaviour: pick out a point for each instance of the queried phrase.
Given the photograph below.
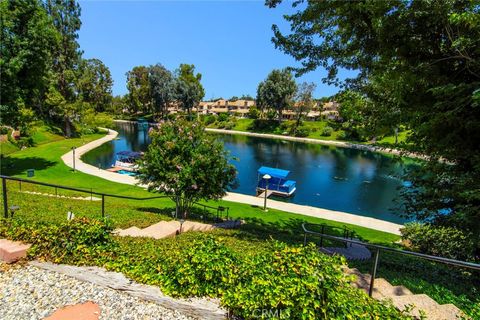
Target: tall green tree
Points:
(189, 89)
(94, 84)
(26, 39)
(187, 164)
(304, 102)
(162, 89)
(277, 91)
(426, 54)
(138, 85)
(65, 15)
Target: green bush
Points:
(4, 130)
(76, 240)
(446, 242)
(222, 117)
(277, 282)
(253, 113)
(205, 268)
(327, 131)
(342, 135)
(209, 119)
(302, 132)
(300, 283)
(230, 125)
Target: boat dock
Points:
(262, 194)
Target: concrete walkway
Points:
(338, 216)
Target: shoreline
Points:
(333, 143)
(338, 216)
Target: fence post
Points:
(5, 204)
(321, 238)
(103, 206)
(374, 272)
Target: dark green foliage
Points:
(441, 241)
(162, 89)
(419, 66)
(95, 84)
(223, 117)
(276, 92)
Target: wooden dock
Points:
(262, 194)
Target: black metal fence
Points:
(378, 248)
(220, 212)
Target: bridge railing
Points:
(379, 248)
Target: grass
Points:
(315, 128)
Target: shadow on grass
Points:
(14, 166)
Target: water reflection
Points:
(340, 179)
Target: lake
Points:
(342, 179)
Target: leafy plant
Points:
(327, 131)
(440, 241)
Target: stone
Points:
(84, 311)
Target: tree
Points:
(189, 90)
(65, 15)
(26, 38)
(187, 164)
(162, 89)
(421, 60)
(94, 84)
(304, 102)
(277, 91)
(138, 86)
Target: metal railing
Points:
(377, 248)
(90, 192)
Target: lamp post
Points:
(181, 224)
(266, 178)
(73, 156)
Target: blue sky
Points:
(229, 42)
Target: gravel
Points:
(27, 292)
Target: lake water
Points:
(349, 180)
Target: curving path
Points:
(338, 216)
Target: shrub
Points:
(264, 125)
(203, 269)
(3, 130)
(327, 131)
(77, 240)
(302, 132)
(299, 283)
(439, 241)
(253, 113)
(209, 119)
(230, 125)
(342, 135)
(222, 117)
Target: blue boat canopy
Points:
(273, 172)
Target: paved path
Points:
(338, 216)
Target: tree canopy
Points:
(186, 163)
(189, 88)
(418, 64)
(277, 91)
(43, 74)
